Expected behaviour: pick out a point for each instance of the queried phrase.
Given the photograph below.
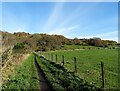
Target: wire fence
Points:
(97, 75)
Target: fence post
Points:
(47, 56)
(63, 59)
(56, 58)
(75, 64)
(102, 70)
(51, 57)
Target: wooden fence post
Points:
(51, 57)
(63, 59)
(47, 56)
(56, 58)
(75, 64)
(44, 55)
(102, 71)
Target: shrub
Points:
(19, 46)
(83, 47)
(113, 47)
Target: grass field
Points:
(62, 77)
(24, 77)
(73, 47)
(88, 64)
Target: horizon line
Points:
(61, 35)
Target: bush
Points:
(113, 47)
(83, 47)
(19, 46)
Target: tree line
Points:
(44, 42)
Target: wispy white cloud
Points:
(64, 30)
(53, 16)
(18, 29)
(109, 35)
(105, 24)
(80, 12)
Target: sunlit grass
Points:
(88, 64)
(24, 77)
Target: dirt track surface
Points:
(44, 84)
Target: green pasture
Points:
(89, 64)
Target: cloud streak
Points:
(109, 35)
(54, 16)
(75, 14)
(64, 30)
(18, 30)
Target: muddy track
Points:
(44, 83)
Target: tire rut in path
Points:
(44, 83)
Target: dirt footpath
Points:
(44, 84)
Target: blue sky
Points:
(80, 19)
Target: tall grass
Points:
(24, 77)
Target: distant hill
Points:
(25, 42)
